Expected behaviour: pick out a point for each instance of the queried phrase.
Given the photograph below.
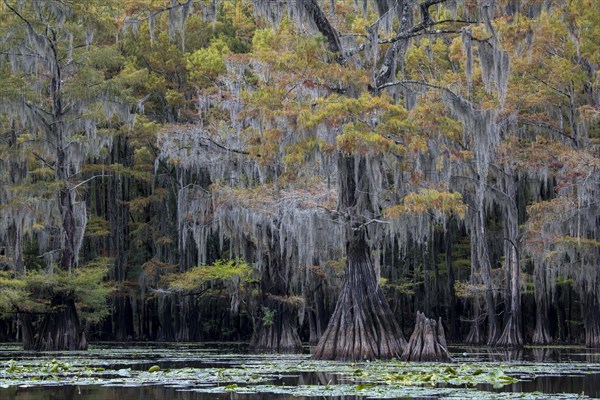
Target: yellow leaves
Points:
(86, 285)
(369, 124)
(263, 144)
(429, 201)
(267, 100)
(568, 165)
(356, 139)
(140, 203)
(174, 98)
(577, 241)
(514, 32)
(236, 271)
(551, 233)
(427, 60)
(239, 12)
(430, 119)
(120, 169)
(336, 110)
(143, 156)
(467, 290)
(299, 153)
(543, 212)
(261, 42)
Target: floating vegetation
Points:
(205, 370)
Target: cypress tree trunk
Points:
(512, 334)
(60, 329)
(591, 318)
(166, 332)
(123, 318)
(453, 305)
(277, 330)
(27, 333)
(427, 342)
(541, 333)
(485, 266)
(475, 336)
(315, 306)
(362, 325)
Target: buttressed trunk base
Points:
(60, 330)
(362, 326)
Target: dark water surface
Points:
(119, 371)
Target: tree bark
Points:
(277, 333)
(427, 342)
(315, 306)
(123, 318)
(362, 326)
(276, 330)
(475, 336)
(453, 306)
(324, 26)
(541, 333)
(166, 332)
(60, 329)
(27, 331)
(591, 318)
(512, 334)
(480, 241)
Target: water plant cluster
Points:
(206, 370)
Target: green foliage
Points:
(205, 65)
(14, 292)
(154, 368)
(234, 271)
(34, 292)
(268, 316)
(429, 201)
(87, 286)
(261, 41)
(401, 286)
(97, 227)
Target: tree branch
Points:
(421, 83)
(324, 26)
(87, 180)
(14, 11)
(222, 147)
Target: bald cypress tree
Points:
(57, 106)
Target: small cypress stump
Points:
(427, 342)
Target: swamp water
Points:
(211, 371)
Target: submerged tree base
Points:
(60, 330)
(362, 326)
(427, 342)
(277, 332)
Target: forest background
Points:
(302, 170)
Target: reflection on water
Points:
(537, 354)
(586, 384)
(200, 356)
(141, 393)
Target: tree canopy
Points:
(280, 171)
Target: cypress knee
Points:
(427, 342)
